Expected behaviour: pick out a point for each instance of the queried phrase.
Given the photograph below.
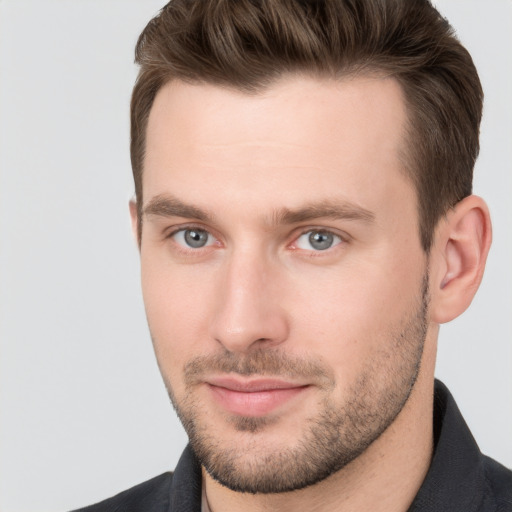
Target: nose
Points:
(249, 313)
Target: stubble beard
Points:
(332, 438)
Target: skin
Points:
(246, 169)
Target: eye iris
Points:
(195, 238)
(321, 241)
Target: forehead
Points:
(310, 137)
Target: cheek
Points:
(351, 313)
(177, 303)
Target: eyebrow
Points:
(327, 209)
(169, 206)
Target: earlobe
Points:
(460, 251)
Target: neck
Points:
(386, 477)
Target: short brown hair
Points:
(249, 44)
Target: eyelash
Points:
(342, 239)
(183, 229)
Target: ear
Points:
(462, 242)
(135, 220)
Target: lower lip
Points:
(256, 403)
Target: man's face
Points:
(283, 277)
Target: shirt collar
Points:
(455, 480)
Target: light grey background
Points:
(83, 412)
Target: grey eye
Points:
(321, 241)
(196, 238)
(317, 240)
(193, 238)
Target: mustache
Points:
(261, 362)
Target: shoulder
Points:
(179, 490)
(150, 496)
(499, 483)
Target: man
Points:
(305, 221)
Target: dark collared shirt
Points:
(460, 478)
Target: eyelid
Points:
(344, 238)
(171, 232)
